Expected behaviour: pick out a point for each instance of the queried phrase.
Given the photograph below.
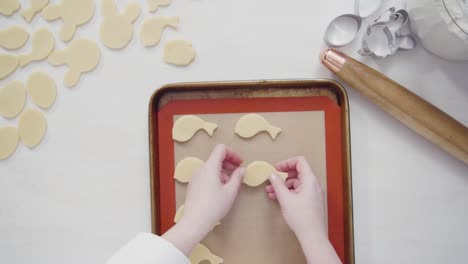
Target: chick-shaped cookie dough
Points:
(72, 12)
(201, 253)
(13, 37)
(152, 29)
(8, 7)
(155, 4)
(82, 55)
(36, 6)
(251, 124)
(43, 43)
(117, 29)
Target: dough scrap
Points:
(117, 29)
(13, 38)
(186, 126)
(9, 139)
(8, 65)
(179, 52)
(36, 6)
(73, 13)
(41, 87)
(179, 214)
(32, 127)
(12, 99)
(251, 124)
(201, 253)
(152, 29)
(155, 4)
(186, 168)
(43, 43)
(259, 171)
(82, 55)
(8, 7)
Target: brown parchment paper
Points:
(254, 231)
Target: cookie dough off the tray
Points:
(179, 52)
(251, 124)
(8, 141)
(153, 28)
(155, 4)
(36, 6)
(201, 253)
(43, 43)
(13, 38)
(186, 126)
(41, 87)
(259, 171)
(32, 127)
(12, 99)
(8, 7)
(117, 29)
(185, 169)
(8, 65)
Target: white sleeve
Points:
(148, 249)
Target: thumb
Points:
(280, 188)
(236, 179)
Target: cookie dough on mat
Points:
(186, 167)
(41, 87)
(8, 7)
(117, 29)
(81, 56)
(186, 126)
(152, 29)
(201, 253)
(36, 6)
(179, 52)
(251, 124)
(32, 127)
(259, 171)
(8, 141)
(13, 37)
(12, 99)
(43, 43)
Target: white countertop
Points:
(84, 191)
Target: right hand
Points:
(301, 199)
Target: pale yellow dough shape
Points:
(32, 127)
(8, 7)
(12, 99)
(152, 29)
(155, 4)
(201, 253)
(81, 56)
(117, 29)
(251, 124)
(36, 6)
(259, 171)
(179, 214)
(9, 139)
(43, 44)
(8, 65)
(72, 12)
(179, 52)
(13, 38)
(186, 126)
(41, 87)
(186, 167)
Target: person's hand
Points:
(210, 195)
(302, 205)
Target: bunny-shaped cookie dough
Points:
(117, 29)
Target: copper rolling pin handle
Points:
(410, 109)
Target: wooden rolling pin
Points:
(410, 109)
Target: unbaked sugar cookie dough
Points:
(43, 43)
(13, 38)
(41, 87)
(8, 65)
(36, 6)
(186, 167)
(186, 126)
(117, 29)
(259, 171)
(8, 7)
(152, 29)
(155, 4)
(251, 124)
(8, 141)
(179, 52)
(201, 253)
(12, 99)
(32, 127)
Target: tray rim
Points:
(320, 83)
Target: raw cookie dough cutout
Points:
(36, 6)
(8, 7)
(82, 55)
(13, 38)
(72, 12)
(117, 29)
(201, 253)
(186, 126)
(155, 4)
(32, 127)
(259, 171)
(179, 214)
(179, 52)
(12, 99)
(9, 139)
(185, 169)
(42, 45)
(152, 29)
(8, 65)
(41, 87)
(251, 124)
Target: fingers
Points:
(228, 166)
(279, 187)
(223, 153)
(298, 164)
(291, 184)
(235, 180)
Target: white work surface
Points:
(84, 191)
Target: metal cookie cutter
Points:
(387, 34)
